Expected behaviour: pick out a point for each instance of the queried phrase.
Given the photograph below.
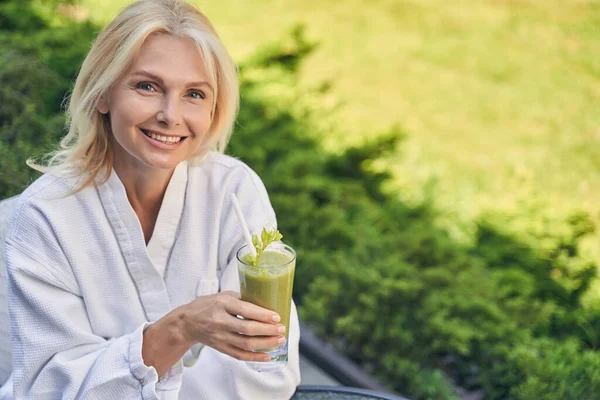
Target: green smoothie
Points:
(269, 285)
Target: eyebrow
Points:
(161, 81)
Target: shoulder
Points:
(49, 187)
(218, 176)
(33, 242)
(224, 165)
(229, 174)
(46, 196)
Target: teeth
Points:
(164, 139)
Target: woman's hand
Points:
(212, 320)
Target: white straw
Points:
(238, 212)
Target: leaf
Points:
(265, 236)
(260, 244)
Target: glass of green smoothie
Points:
(269, 285)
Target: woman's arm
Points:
(55, 352)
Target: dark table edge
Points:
(348, 390)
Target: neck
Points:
(145, 188)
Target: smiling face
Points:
(160, 110)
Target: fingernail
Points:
(266, 358)
(281, 340)
(281, 329)
(276, 318)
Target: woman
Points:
(121, 257)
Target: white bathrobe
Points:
(83, 286)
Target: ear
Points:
(102, 105)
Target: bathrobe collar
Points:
(146, 264)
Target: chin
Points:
(165, 165)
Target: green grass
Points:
(499, 99)
(493, 95)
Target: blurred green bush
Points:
(377, 278)
(38, 64)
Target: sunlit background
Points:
(436, 163)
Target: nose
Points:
(170, 114)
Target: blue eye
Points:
(196, 94)
(145, 86)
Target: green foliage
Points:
(25, 126)
(383, 283)
(545, 369)
(19, 17)
(376, 277)
(287, 53)
(555, 370)
(36, 73)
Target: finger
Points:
(251, 311)
(232, 294)
(254, 343)
(243, 355)
(250, 327)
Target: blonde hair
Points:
(85, 150)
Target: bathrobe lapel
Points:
(145, 262)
